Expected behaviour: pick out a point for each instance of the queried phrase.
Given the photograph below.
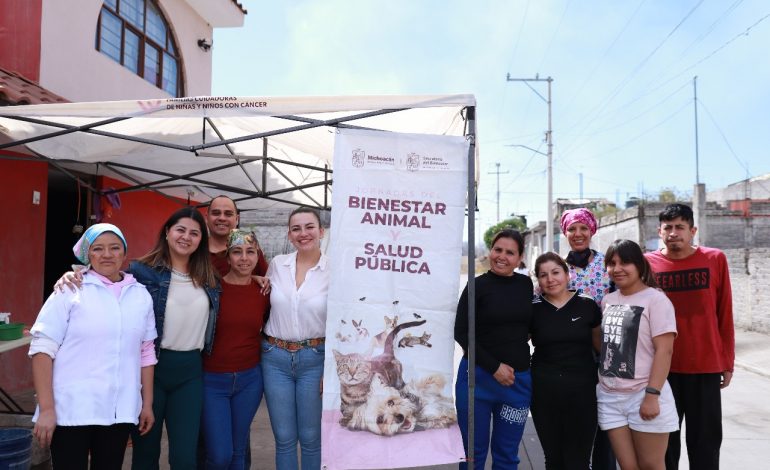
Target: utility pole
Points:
(498, 173)
(549, 141)
(699, 191)
(581, 185)
(695, 102)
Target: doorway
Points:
(68, 214)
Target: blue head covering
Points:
(92, 233)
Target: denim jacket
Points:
(157, 280)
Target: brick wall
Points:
(750, 279)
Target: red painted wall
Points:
(22, 246)
(22, 256)
(140, 217)
(20, 37)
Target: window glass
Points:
(110, 35)
(170, 45)
(131, 51)
(133, 12)
(151, 64)
(170, 74)
(156, 28)
(136, 34)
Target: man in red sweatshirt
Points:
(697, 281)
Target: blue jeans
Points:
(293, 397)
(506, 408)
(230, 401)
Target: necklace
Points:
(180, 273)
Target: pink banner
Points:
(395, 250)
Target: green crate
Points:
(10, 331)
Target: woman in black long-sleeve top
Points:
(503, 384)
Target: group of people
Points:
(628, 341)
(192, 335)
(196, 331)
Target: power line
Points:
(606, 101)
(711, 28)
(599, 180)
(601, 59)
(724, 137)
(553, 36)
(666, 98)
(709, 55)
(531, 157)
(674, 77)
(513, 55)
(642, 134)
(514, 137)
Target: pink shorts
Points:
(617, 409)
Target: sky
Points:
(623, 106)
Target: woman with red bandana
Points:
(586, 266)
(588, 276)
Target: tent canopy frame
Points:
(261, 190)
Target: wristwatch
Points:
(652, 391)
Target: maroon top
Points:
(237, 340)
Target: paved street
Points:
(746, 417)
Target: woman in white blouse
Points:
(93, 359)
(293, 346)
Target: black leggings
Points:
(564, 412)
(71, 446)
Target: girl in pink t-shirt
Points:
(635, 403)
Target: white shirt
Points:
(186, 315)
(297, 314)
(96, 371)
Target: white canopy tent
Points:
(260, 151)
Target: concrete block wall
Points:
(639, 223)
(729, 230)
(271, 227)
(750, 279)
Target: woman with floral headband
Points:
(232, 378)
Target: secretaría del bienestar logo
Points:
(358, 158)
(412, 162)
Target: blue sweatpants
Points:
(504, 408)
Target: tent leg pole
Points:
(471, 116)
(264, 165)
(326, 187)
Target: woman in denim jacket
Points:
(185, 294)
